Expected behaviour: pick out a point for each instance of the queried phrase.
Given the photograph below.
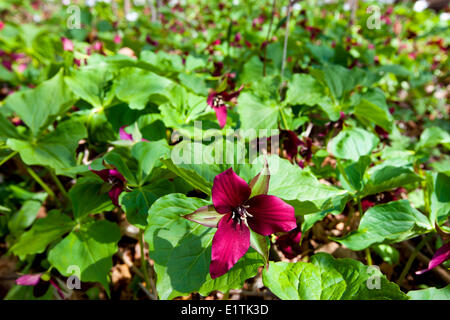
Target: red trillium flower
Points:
(289, 243)
(115, 179)
(238, 210)
(216, 100)
(34, 280)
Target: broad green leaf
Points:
(42, 233)
(148, 155)
(392, 222)
(305, 89)
(352, 143)
(90, 249)
(23, 218)
(255, 114)
(56, 149)
(363, 282)
(137, 203)
(390, 174)
(136, 86)
(88, 197)
(303, 281)
(298, 187)
(372, 108)
(354, 172)
(115, 159)
(7, 129)
(92, 84)
(439, 186)
(181, 250)
(39, 107)
(432, 137)
(430, 294)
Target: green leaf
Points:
(303, 281)
(87, 197)
(92, 84)
(390, 174)
(56, 149)
(387, 223)
(181, 250)
(137, 203)
(372, 108)
(355, 174)
(255, 114)
(115, 159)
(7, 130)
(439, 197)
(42, 233)
(433, 136)
(90, 249)
(305, 89)
(430, 294)
(148, 155)
(362, 282)
(136, 86)
(298, 187)
(39, 107)
(352, 143)
(23, 218)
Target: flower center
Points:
(240, 214)
(114, 180)
(218, 101)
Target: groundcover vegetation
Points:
(224, 150)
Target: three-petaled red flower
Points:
(239, 209)
(115, 179)
(216, 100)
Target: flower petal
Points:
(207, 216)
(440, 256)
(229, 191)
(229, 244)
(210, 99)
(103, 174)
(270, 215)
(116, 174)
(29, 279)
(124, 135)
(221, 115)
(114, 194)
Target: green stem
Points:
(144, 261)
(368, 257)
(8, 157)
(59, 184)
(411, 259)
(342, 171)
(41, 183)
(283, 119)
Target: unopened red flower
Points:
(289, 243)
(238, 208)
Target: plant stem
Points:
(342, 171)
(8, 157)
(41, 183)
(59, 184)
(368, 257)
(411, 259)
(268, 34)
(286, 36)
(283, 118)
(143, 260)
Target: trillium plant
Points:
(242, 213)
